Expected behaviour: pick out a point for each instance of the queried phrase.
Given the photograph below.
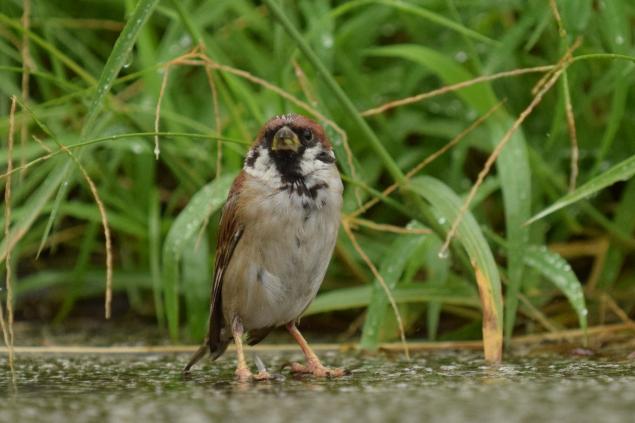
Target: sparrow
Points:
(276, 236)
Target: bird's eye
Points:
(307, 135)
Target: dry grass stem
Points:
(382, 282)
(305, 85)
(82, 23)
(454, 141)
(41, 144)
(582, 248)
(106, 226)
(502, 143)
(556, 14)
(157, 114)
(29, 164)
(617, 310)
(573, 176)
(562, 335)
(382, 227)
(454, 87)
(536, 314)
(7, 327)
(547, 76)
(598, 266)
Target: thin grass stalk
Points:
(382, 282)
(99, 140)
(7, 328)
(157, 114)
(452, 88)
(573, 136)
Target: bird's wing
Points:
(229, 234)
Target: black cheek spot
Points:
(325, 157)
(260, 275)
(251, 159)
(313, 191)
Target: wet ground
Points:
(445, 387)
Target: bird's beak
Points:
(285, 139)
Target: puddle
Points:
(431, 387)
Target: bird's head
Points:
(290, 146)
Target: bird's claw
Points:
(317, 369)
(262, 375)
(245, 375)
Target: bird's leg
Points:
(313, 363)
(242, 371)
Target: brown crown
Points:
(295, 122)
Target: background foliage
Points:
(97, 71)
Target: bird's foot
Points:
(317, 369)
(263, 375)
(245, 375)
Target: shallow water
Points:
(444, 387)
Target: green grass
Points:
(96, 78)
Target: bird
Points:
(277, 232)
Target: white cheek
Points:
(264, 169)
(309, 165)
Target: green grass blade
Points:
(438, 271)
(512, 164)
(623, 219)
(620, 172)
(553, 267)
(447, 205)
(196, 285)
(454, 292)
(35, 203)
(391, 269)
(117, 59)
(187, 224)
(416, 11)
(154, 252)
(61, 195)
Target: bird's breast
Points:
(287, 244)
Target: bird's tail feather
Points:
(215, 350)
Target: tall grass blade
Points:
(447, 205)
(117, 59)
(391, 269)
(187, 224)
(512, 164)
(553, 267)
(620, 172)
(453, 292)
